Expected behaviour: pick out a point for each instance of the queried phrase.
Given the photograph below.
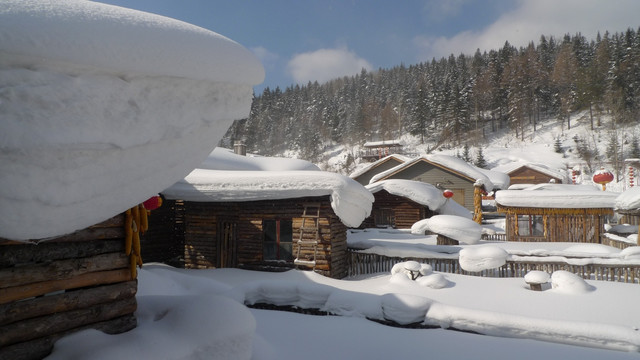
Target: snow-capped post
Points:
(535, 279)
(477, 202)
(603, 177)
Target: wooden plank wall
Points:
(63, 285)
(201, 223)
(585, 228)
(406, 212)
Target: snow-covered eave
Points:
(400, 158)
(556, 199)
(350, 201)
(419, 192)
(510, 168)
(629, 201)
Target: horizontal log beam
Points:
(52, 250)
(62, 269)
(72, 300)
(90, 279)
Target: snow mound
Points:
(196, 318)
(434, 281)
(101, 109)
(479, 258)
(632, 252)
(566, 282)
(456, 227)
(404, 308)
(350, 200)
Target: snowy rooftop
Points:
(557, 196)
(489, 179)
(101, 109)
(350, 200)
(544, 169)
(372, 165)
(629, 200)
(226, 159)
(383, 143)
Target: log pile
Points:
(63, 285)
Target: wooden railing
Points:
(365, 263)
(494, 237)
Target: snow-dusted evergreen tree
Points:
(480, 160)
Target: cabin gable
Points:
(527, 175)
(395, 211)
(384, 165)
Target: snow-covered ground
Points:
(197, 314)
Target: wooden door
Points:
(227, 244)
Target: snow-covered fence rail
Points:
(494, 237)
(366, 263)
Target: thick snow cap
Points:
(629, 199)
(350, 200)
(103, 107)
(560, 196)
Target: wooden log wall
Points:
(63, 285)
(164, 241)
(364, 263)
(582, 226)
(201, 234)
(406, 212)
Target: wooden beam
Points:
(90, 279)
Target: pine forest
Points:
(453, 101)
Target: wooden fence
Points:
(364, 263)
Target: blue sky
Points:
(307, 40)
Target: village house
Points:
(628, 206)
(401, 203)
(376, 150)
(556, 213)
(364, 175)
(467, 182)
(531, 174)
(268, 218)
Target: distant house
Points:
(364, 175)
(402, 203)
(265, 219)
(375, 150)
(532, 174)
(556, 213)
(628, 205)
(448, 172)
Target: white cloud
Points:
(325, 64)
(534, 18)
(267, 57)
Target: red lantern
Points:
(602, 177)
(153, 203)
(447, 193)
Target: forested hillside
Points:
(454, 100)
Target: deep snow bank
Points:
(102, 107)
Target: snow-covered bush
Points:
(476, 259)
(569, 283)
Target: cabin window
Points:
(384, 217)
(278, 240)
(530, 225)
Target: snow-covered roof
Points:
(383, 143)
(557, 196)
(350, 200)
(421, 193)
(480, 176)
(541, 168)
(629, 200)
(226, 159)
(458, 228)
(400, 158)
(102, 109)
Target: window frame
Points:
(281, 247)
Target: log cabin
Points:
(54, 287)
(402, 203)
(556, 213)
(532, 174)
(266, 220)
(376, 150)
